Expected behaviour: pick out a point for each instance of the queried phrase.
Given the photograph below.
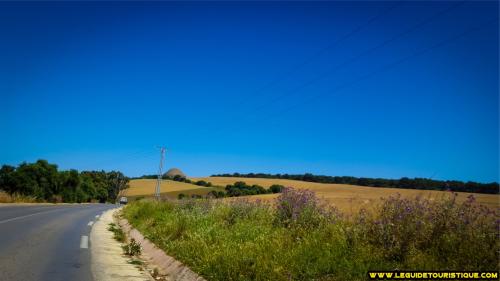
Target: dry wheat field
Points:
(348, 198)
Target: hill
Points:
(174, 172)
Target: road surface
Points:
(47, 242)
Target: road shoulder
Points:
(107, 260)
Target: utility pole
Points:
(158, 183)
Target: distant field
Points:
(146, 187)
(350, 198)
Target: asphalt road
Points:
(46, 242)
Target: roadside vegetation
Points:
(132, 248)
(43, 182)
(118, 233)
(14, 198)
(301, 238)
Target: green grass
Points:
(136, 262)
(250, 241)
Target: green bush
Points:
(276, 188)
(203, 183)
(240, 188)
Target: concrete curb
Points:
(107, 260)
(167, 265)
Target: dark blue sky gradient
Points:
(97, 85)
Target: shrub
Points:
(178, 178)
(301, 207)
(241, 189)
(132, 248)
(117, 232)
(216, 194)
(441, 235)
(276, 188)
(203, 183)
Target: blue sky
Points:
(321, 87)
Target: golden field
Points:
(349, 198)
(146, 187)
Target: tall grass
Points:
(15, 198)
(301, 239)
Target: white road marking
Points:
(26, 216)
(90, 223)
(84, 242)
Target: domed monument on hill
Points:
(174, 172)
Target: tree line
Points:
(45, 182)
(240, 188)
(237, 189)
(178, 178)
(407, 183)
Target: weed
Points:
(132, 248)
(118, 233)
(155, 272)
(136, 262)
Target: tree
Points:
(276, 188)
(7, 182)
(70, 181)
(43, 181)
(201, 183)
(116, 182)
(179, 178)
(88, 188)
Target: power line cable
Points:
(386, 67)
(420, 24)
(322, 51)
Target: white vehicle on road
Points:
(123, 200)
